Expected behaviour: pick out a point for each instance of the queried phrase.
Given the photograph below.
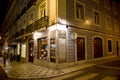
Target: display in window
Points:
(43, 49)
(52, 50)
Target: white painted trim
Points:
(75, 10)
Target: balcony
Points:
(42, 22)
(30, 28)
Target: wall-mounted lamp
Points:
(87, 22)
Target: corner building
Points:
(63, 33)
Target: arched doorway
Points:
(98, 50)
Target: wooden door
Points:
(31, 53)
(98, 51)
(80, 48)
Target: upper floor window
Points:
(79, 12)
(43, 10)
(24, 23)
(107, 4)
(98, 1)
(108, 22)
(115, 8)
(96, 17)
(116, 25)
(31, 18)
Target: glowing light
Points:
(52, 28)
(62, 21)
(61, 27)
(58, 27)
(36, 35)
(87, 22)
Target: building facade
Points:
(62, 33)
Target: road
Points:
(106, 71)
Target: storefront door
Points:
(31, 53)
(80, 48)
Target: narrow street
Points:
(106, 71)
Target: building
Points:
(62, 33)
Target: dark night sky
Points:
(3, 8)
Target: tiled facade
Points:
(54, 33)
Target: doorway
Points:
(80, 48)
(98, 50)
(31, 52)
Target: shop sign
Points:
(62, 34)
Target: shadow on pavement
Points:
(3, 75)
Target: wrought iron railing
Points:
(42, 22)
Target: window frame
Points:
(97, 1)
(30, 19)
(106, 21)
(111, 46)
(94, 10)
(42, 9)
(75, 11)
(107, 4)
(117, 29)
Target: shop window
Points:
(43, 49)
(52, 50)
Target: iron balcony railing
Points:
(41, 23)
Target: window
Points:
(107, 4)
(24, 23)
(43, 10)
(98, 1)
(115, 8)
(96, 17)
(79, 11)
(43, 49)
(116, 25)
(31, 18)
(108, 21)
(109, 46)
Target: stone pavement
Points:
(19, 70)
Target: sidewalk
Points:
(18, 70)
